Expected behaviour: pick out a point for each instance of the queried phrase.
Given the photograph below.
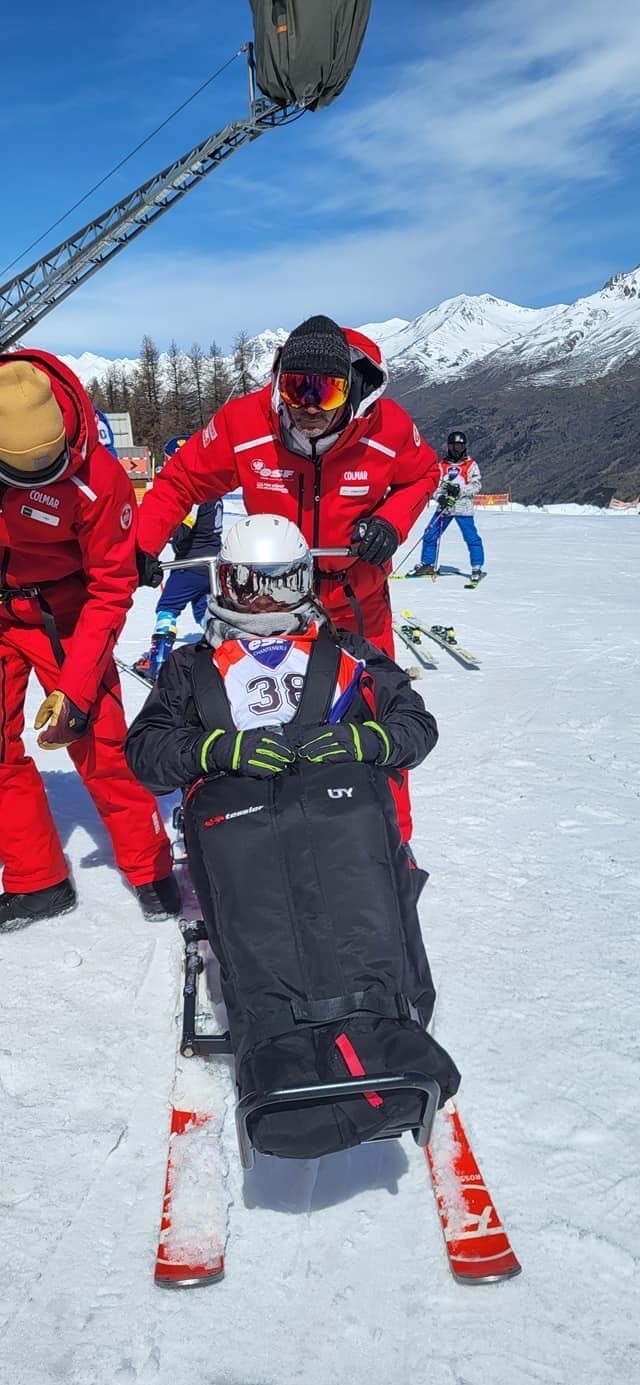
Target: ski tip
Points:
(475, 1272)
(180, 1265)
(169, 1275)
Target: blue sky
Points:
(481, 147)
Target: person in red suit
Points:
(67, 576)
(321, 446)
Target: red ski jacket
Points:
(75, 539)
(378, 464)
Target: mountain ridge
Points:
(548, 396)
(566, 343)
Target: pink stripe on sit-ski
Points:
(354, 1067)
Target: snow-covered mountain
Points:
(563, 344)
(88, 366)
(260, 349)
(581, 341)
(448, 340)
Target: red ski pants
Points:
(377, 627)
(30, 847)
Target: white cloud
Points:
(524, 93)
(355, 277)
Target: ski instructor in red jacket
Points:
(320, 446)
(67, 575)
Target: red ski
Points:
(477, 1244)
(182, 1259)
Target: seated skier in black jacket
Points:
(283, 732)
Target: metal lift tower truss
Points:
(28, 297)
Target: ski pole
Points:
(419, 540)
(125, 668)
(408, 555)
(440, 533)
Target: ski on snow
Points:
(133, 673)
(443, 635)
(478, 1247)
(426, 576)
(469, 585)
(183, 1260)
(191, 1245)
(413, 641)
(190, 1248)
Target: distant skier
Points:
(459, 481)
(284, 732)
(199, 536)
(67, 576)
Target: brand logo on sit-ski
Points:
(340, 793)
(42, 498)
(225, 817)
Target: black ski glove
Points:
(377, 540)
(453, 488)
(446, 502)
(253, 753)
(368, 742)
(150, 570)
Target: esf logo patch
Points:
(273, 473)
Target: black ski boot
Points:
(18, 910)
(423, 570)
(160, 899)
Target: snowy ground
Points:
(527, 816)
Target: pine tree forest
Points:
(176, 396)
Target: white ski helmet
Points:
(264, 565)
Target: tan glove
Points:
(66, 723)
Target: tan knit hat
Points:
(32, 434)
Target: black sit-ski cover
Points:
(310, 909)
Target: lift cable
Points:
(123, 161)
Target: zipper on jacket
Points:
(316, 495)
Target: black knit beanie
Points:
(317, 347)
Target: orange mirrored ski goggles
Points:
(324, 392)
